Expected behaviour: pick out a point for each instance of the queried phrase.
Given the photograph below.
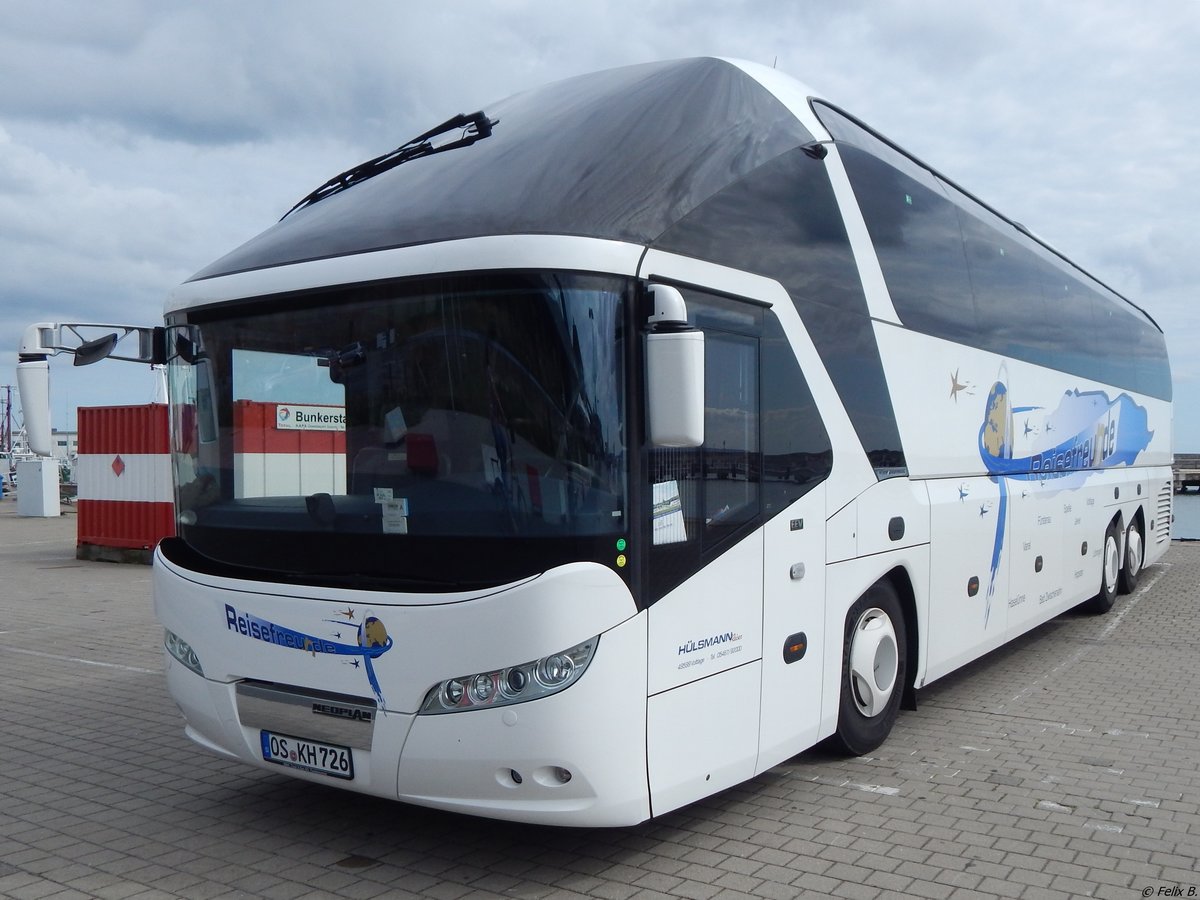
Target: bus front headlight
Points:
(182, 651)
(515, 684)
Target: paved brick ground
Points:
(1065, 765)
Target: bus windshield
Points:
(440, 434)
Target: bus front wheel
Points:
(874, 666)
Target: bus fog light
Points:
(552, 776)
(514, 684)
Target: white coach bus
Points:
(592, 454)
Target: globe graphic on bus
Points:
(372, 633)
(997, 426)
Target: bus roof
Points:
(621, 154)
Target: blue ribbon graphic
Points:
(374, 641)
(1103, 433)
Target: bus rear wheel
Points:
(1135, 551)
(874, 667)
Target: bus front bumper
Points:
(574, 758)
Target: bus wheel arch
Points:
(875, 668)
(902, 583)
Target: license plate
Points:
(311, 756)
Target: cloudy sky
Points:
(141, 140)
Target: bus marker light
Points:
(795, 647)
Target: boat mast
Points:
(6, 425)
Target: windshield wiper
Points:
(477, 126)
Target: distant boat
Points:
(17, 450)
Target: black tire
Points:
(1110, 569)
(1135, 555)
(865, 721)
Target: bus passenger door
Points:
(705, 581)
(737, 566)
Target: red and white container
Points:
(123, 473)
(288, 449)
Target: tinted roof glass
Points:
(620, 154)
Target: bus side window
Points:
(731, 457)
(796, 452)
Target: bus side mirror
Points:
(674, 373)
(91, 352)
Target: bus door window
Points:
(704, 497)
(705, 491)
